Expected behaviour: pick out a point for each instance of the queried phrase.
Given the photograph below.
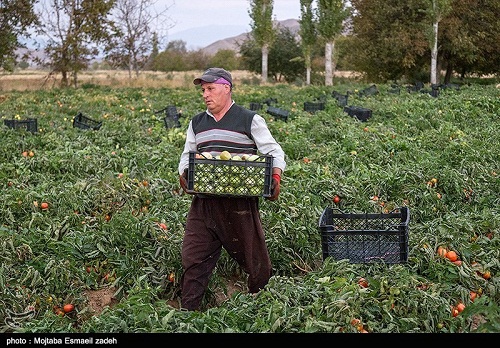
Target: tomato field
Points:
(101, 209)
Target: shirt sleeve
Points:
(190, 145)
(266, 143)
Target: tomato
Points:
(68, 308)
(460, 307)
(486, 275)
(44, 205)
(442, 251)
(171, 277)
(458, 262)
(451, 255)
(336, 199)
(454, 311)
(355, 322)
(473, 295)
(363, 282)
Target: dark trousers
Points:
(214, 223)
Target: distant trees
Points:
(388, 40)
(470, 38)
(137, 30)
(261, 12)
(16, 17)
(391, 39)
(284, 62)
(72, 34)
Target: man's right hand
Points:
(183, 180)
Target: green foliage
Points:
(284, 63)
(17, 17)
(109, 191)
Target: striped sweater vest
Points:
(232, 133)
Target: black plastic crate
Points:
(171, 121)
(83, 122)
(234, 177)
(313, 107)
(171, 118)
(369, 91)
(365, 237)
(279, 114)
(29, 124)
(342, 100)
(394, 90)
(270, 101)
(360, 113)
(255, 106)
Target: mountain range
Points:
(232, 43)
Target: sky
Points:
(187, 15)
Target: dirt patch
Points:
(100, 299)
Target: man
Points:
(216, 222)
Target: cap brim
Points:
(205, 78)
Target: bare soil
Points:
(104, 297)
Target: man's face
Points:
(215, 96)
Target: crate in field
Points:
(171, 121)
(29, 124)
(234, 177)
(83, 122)
(365, 237)
(171, 118)
(312, 107)
(279, 114)
(254, 106)
(360, 113)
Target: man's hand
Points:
(275, 187)
(183, 180)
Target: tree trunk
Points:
(308, 70)
(329, 63)
(265, 54)
(434, 53)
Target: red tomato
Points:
(68, 308)
(363, 282)
(336, 199)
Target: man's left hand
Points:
(275, 187)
